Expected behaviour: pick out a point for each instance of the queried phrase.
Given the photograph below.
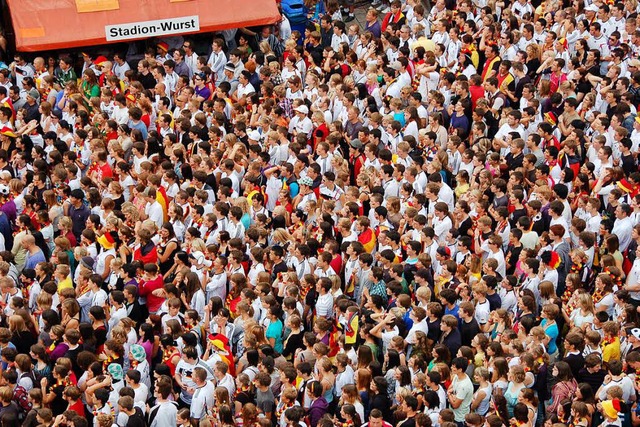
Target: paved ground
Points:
(361, 11)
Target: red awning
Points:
(58, 24)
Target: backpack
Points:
(35, 378)
(21, 398)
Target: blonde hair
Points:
(586, 301)
(17, 324)
(198, 245)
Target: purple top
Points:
(9, 209)
(148, 348)
(205, 92)
(58, 352)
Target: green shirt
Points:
(90, 92)
(66, 76)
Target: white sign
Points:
(159, 27)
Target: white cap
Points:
(198, 256)
(302, 109)
(254, 135)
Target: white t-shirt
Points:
(463, 390)
(202, 401)
(324, 305)
(164, 414)
(482, 312)
(155, 213)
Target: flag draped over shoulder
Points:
(221, 344)
(368, 240)
(351, 332)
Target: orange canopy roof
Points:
(58, 24)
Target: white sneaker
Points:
(375, 3)
(386, 9)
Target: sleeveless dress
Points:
(512, 398)
(483, 408)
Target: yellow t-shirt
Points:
(461, 189)
(611, 351)
(64, 284)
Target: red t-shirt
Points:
(146, 291)
(78, 407)
(476, 92)
(146, 120)
(104, 171)
(336, 264)
(72, 238)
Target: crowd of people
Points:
(430, 218)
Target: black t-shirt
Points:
(628, 164)
(516, 215)
(576, 362)
(245, 397)
(281, 267)
(23, 341)
(434, 330)
(409, 422)
(101, 335)
(465, 226)
(594, 379)
(136, 419)
(58, 404)
(495, 302)
(468, 331)
(136, 314)
(73, 355)
(148, 81)
(383, 403)
(293, 342)
(514, 162)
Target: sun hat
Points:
(107, 241)
(7, 131)
(116, 371)
(306, 181)
(611, 408)
(100, 60)
(138, 353)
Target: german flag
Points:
(351, 333)
(161, 197)
(368, 240)
(334, 337)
